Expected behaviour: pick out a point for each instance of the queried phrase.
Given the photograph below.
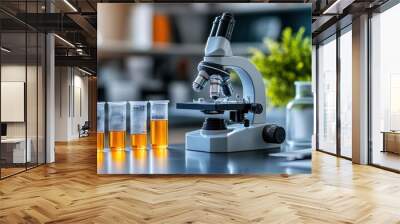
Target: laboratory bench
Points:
(176, 160)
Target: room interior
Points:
(48, 105)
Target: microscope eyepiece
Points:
(214, 27)
(225, 25)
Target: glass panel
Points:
(346, 94)
(41, 98)
(385, 84)
(32, 86)
(327, 96)
(23, 88)
(31, 98)
(13, 87)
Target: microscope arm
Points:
(251, 79)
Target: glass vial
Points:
(300, 116)
(138, 124)
(117, 125)
(100, 125)
(159, 124)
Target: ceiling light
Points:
(84, 71)
(70, 5)
(65, 41)
(5, 50)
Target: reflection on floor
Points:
(10, 171)
(177, 160)
(386, 159)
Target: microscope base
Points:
(236, 138)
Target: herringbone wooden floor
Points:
(70, 191)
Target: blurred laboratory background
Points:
(151, 51)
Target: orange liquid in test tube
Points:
(159, 133)
(139, 141)
(117, 140)
(100, 140)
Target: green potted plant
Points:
(288, 61)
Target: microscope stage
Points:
(215, 106)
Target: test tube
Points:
(138, 124)
(159, 124)
(100, 125)
(117, 125)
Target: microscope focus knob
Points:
(256, 108)
(273, 134)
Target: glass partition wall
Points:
(22, 93)
(334, 109)
(13, 89)
(385, 89)
(345, 90)
(334, 89)
(326, 140)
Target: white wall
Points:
(71, 94)
(33, 126)
(12, 73)
(62, 82)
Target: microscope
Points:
(246, 129)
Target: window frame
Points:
(381, 9)
(347, 27)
